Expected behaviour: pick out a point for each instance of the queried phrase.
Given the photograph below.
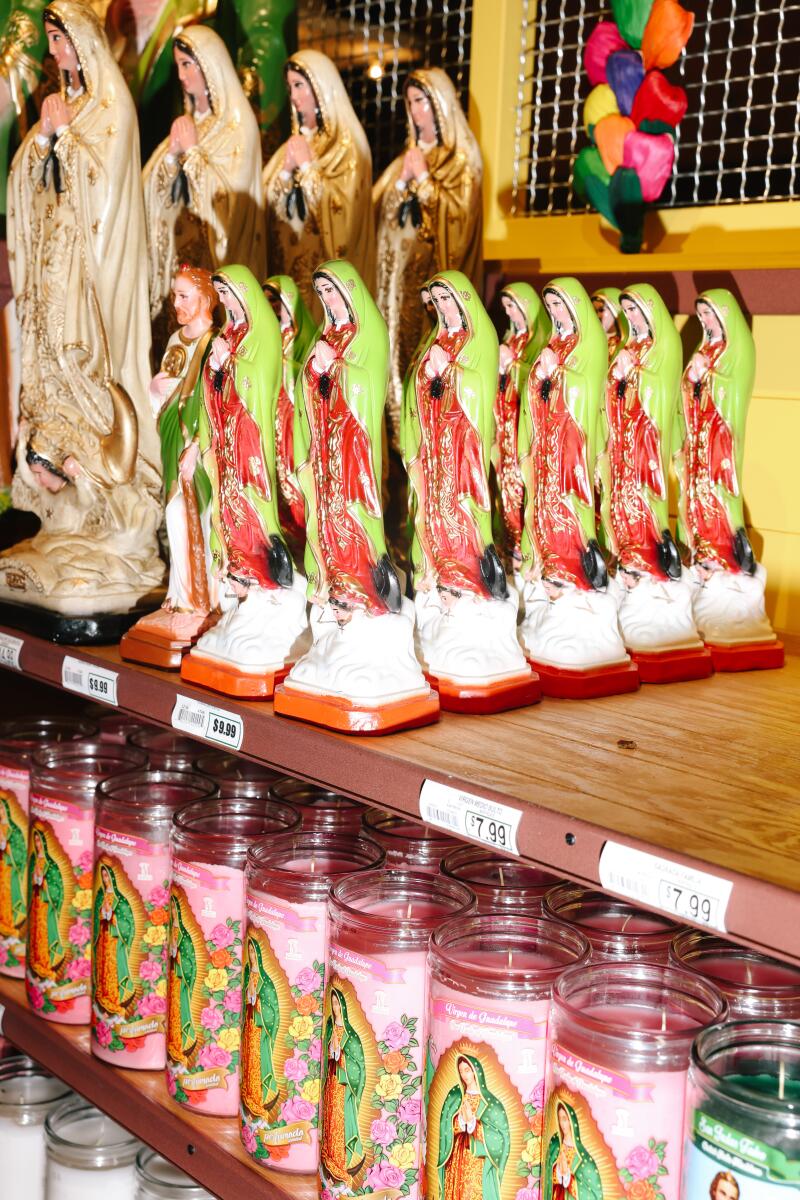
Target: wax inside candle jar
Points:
(27, 1094)
(753, 984)
(408, 844)
(319, 808)
(89, 1156)
(616, 930)
(500, 884)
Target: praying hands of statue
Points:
(698, 367)
(324, 356)
(546, 364)
(297, 152)
(506, 358)
(623, 365)
(220, 353)
(414, 165)
(182, 135)
(56, 113)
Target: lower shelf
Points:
(207, 1148)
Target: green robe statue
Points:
(265, 1016)
(183, 967)
(489, 1139)
(349, 1072)
(122, 930)
(569, 1172)
(14, 859)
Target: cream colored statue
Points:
(202, 185)
(318, 184)
(87, 456)
(428, 206)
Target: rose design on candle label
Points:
(643, 1171)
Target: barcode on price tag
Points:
(9, 651)
(470, 816)
(681, 891)
(206, 721)
(96, 682)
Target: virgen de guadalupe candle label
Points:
(129, 962)
(59, 950)
(371, 1104)
(485, 1097)
(14, 787)
(204, 986)
(282, 996)
(724, 1163)
(610, 1132)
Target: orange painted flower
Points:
(278, 1152)
(159, 916)
(306, 1005)
(85, 880)
(537, 1123)
(394, 1062)
(221, 958)
(640, 1189)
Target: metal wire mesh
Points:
(740, 139)
(377, 43)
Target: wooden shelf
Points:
(207, 1148)
(705, 773)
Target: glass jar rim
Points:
(378, 821)
(709, 942)
(466, 856)
(26, 735)
(111, 791)
(59, 765)
(23, 1111)
(649, 937)
(514, 932)
(181, 1188)
(637, 977)
(292, 791)
(384, 884)
(722, 1036)
(266, 855)
(186, 821)
(215, 764)
(75, 1154)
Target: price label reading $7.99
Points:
(467, 815)
(98, 683)
(207, 721)
(677, 889)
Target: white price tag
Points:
(470, 816)
(98, 683)
(206, 721)
(681, 891)
(9, 651)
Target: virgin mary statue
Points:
(88, 451)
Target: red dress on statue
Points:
(711, 455)
(236, 445)
(560, 471)
(341, 455)
(509, 476)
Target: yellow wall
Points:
(726, 237)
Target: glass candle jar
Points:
(209, 844)
(743, 1112)
(166, 751)
(118, 727)
(64, 779)
(235, 776)
(319, 808)
(89, 1156)
(408, 844)
(288, 880)
(133, 819)
(27, 1094)
(753, 985)
(158, 1179)
(374, 1025)
(491, 978)
(501, 885)
(18, 741)
(616, 930)
(620, 1035)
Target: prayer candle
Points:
(288, 880)
(18, 741)
(89, 1156)
(159, 1179)
(743, 1112)
(235, 776)
(501, 885)
(117, 727)
(620, 1036)
(64, 780)
(319, 808)
(209, 843)
(491, 978)
(616, 930)
(374, 1027)
(27, 1095)
(408, 844)
(133, 818)
(165, 751)
(753, 985)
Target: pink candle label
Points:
(284, 974)
(204, 988)
(14, 787)
(485, 1101)
(610, 1132)
(726, 1163)
(129, 963)
(372, 1090)
(59, 950)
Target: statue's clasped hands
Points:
(182, 135)
(56, 113)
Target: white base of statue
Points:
(578, 631)
(259, 633)
(729, 607)
(656, 616)
(469, 640)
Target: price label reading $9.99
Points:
(206, 721)
(466, 815)
(98, 683)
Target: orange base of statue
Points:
(752, 656)
(587, 685)
(346, 717)
(167, 655)
(229, 680)
(674, 666)
(492, 698)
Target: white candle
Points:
(159, 1179)
(89, 1156)
(27, 1094)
